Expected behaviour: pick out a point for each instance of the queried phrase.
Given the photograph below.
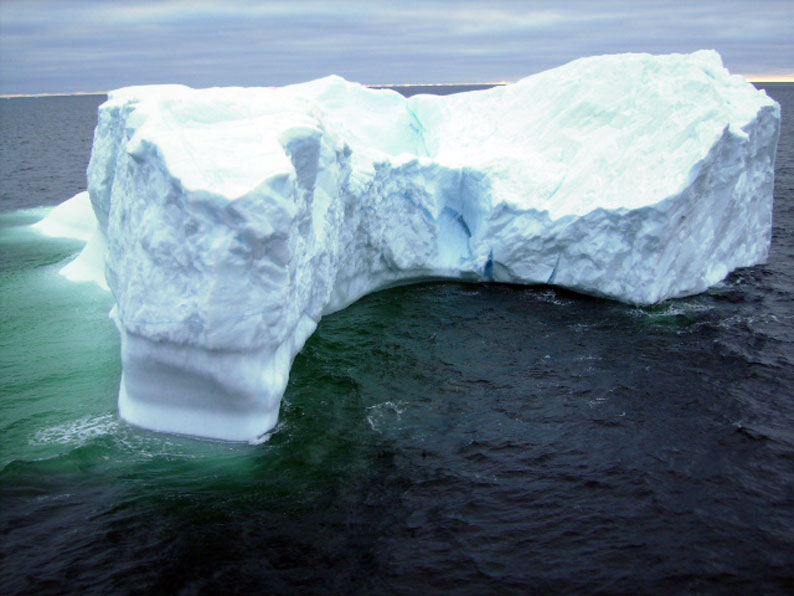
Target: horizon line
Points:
(785, 78)
(370, 85)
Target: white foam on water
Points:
(78, 432)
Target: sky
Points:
(71, 46)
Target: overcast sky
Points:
(67, 46)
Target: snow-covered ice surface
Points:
(235, 218)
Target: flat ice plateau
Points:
(232, 219)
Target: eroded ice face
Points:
(236, 218)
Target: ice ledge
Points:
(236, 218)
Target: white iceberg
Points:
(235, 218)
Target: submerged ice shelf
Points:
(231, 220)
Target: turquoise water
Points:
(59, 353)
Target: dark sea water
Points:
(439, 438)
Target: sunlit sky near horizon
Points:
(69, 45)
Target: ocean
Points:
(436, 438)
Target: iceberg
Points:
(233, 219)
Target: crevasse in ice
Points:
(235, 218)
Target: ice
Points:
(236, 218)
(74, 218)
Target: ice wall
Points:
(236, 218)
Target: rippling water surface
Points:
(451, 438)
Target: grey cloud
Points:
(69, 45)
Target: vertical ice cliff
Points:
(236, 218)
